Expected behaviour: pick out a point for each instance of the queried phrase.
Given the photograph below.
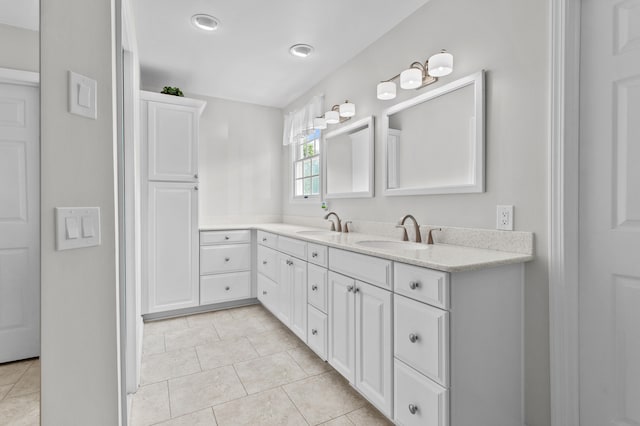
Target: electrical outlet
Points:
(504, 218)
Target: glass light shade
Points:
(332, 117)
(386, 90)
(319, 123)
(411, 78)
(441, 64)
(347, 109)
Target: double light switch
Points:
(77, 227)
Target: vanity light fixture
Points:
(337, 114)
(205, 22)
(301, 50)
(418, 75)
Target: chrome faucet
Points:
(416, 227)
(333, 226)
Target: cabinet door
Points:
(374, 352)
(172, 135)
(173, 281)
(299, 298)
(284, 289)
(342, 325)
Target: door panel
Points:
(609, 287)
(299, 299)
(284, 289)
(19, 223)
(342, 325)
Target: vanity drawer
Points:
(268, 293)
(268, 262)
(362, 267)
(317, 287)
(217, 259)
(225, 287)
(317, 254)
(293, 247)
(317, 332)
(225, 237)
(417, 400)
(267, 239)
(421, 338)
(425, 285)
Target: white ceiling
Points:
(20, 13)
(247, 58)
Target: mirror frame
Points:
(478, 172)
(365, 122)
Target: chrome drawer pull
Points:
(264, 292)
(264, 239)
(226, 237)
(413, 409)
(226, 259)
(264, 262)
(356, 290)
(314, 331)
(314, 287)
(349, 288)
(414, 284)
(413, 337)
(227, 288)
(314, 254)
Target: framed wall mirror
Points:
(348, 161)
(434, 143)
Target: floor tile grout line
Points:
(240, 380)
(294, 404)
(169, 397)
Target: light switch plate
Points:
(82, 95)
(77, 227)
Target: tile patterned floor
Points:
(239, 367)
(20, 393)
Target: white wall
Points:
(239, 163)
(19, 48)
(80, 371)
(508, 38)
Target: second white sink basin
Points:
(318, 233)
(392, 245)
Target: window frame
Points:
(296, 159)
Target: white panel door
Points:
(609, 287)
(299, 298)
(284, 288)
(19, 223)
(173, 142)
(342, 325)
(173, 246)
(374, 349)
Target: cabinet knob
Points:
(413, 337)
(349, 288)
(264, 262)
(227, 288)
(414, 284)
(289, 262)
(413, 409)
(314, 331)
(314, 254)
(226, 237)
(314, 287)
(195, 176)
(264, 292)
(226, 259)
(356, 290)
(264, 239)
(195, 188)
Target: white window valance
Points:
(298, 124)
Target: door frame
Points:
(563, 231)
(23, 78)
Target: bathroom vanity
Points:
(431, 334)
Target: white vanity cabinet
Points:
(225, 266)
(293, 294)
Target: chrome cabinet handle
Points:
(226, 259)
(226, 237)
(356, 290)
(264, 262)
(289, 262)
(413, 337)
(227, 288)
(195, 188)
(314, 254)
(413, 409)
(414, 284)
(314, 331)
(264, 291)
(314, 287)
(195, 176)
(264, 239)
(349, 288)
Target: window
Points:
(306, 166)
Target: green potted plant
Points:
(175, 91)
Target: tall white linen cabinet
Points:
(169, 186)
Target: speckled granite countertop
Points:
(443, 257)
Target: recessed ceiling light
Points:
(301, 50)
(205, 22)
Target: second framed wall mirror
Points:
(434, 143)
(348, 161)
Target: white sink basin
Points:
(318, 233)
(392, 245)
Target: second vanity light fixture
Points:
(337, 114)
(418, 75)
